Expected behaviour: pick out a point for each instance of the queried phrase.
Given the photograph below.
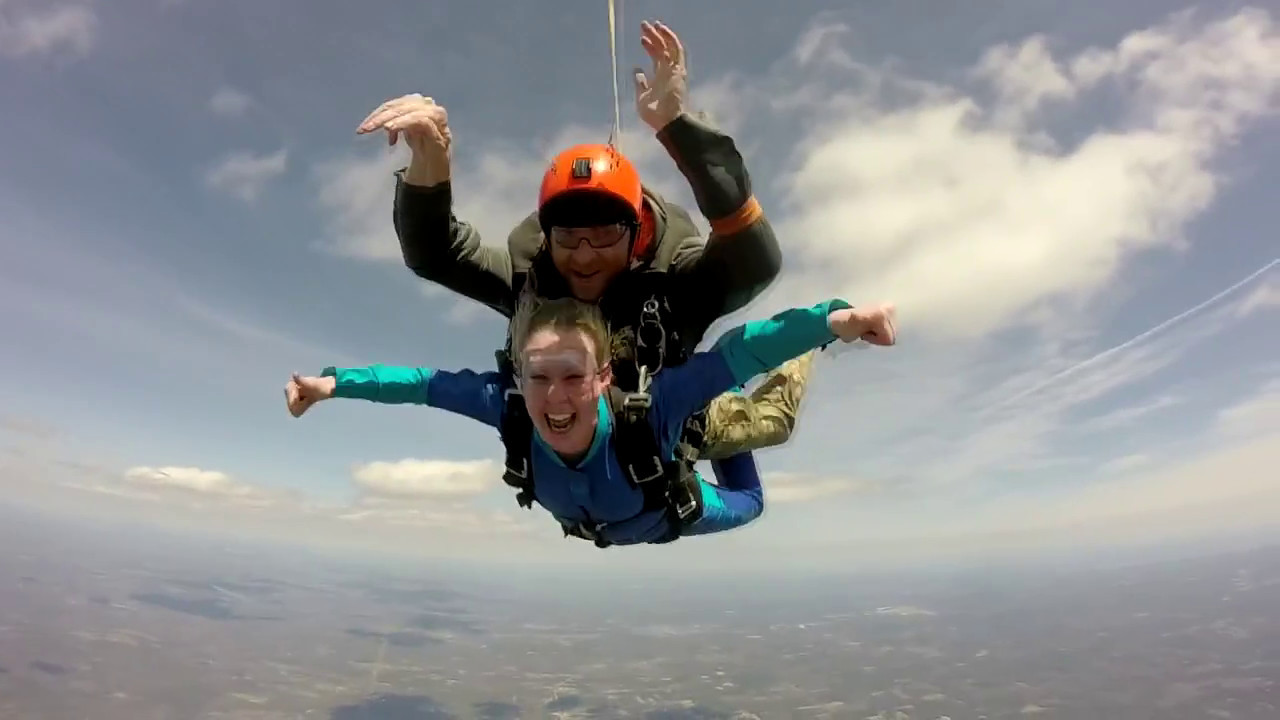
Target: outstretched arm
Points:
(476, 395)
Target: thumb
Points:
(641, 82)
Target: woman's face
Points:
(562, 386)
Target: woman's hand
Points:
(303, 392)
(874, 324)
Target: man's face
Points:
(589, 258)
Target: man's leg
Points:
(737, 423)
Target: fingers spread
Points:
(671, 42)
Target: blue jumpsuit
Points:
(595, 491)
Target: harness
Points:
(670, 486)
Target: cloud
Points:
(789, 487)
(229, 102)
(1257, 415)
(243, 175)
(970, 213)
(196, 482)
(403, 520)
(985, 417)
(31, 31)
(411, 478)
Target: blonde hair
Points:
(534, 314)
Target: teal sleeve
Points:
(760, 346)
(387, 384)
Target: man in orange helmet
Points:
(600, 235)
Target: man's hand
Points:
(425, 127)
(303, 392)
(661, 98)
(873, 324)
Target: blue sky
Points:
(189, 217)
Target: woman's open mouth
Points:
(560, 422)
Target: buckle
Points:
(637, 401)
(657, 463)
(683, 500)
(688, 453)
(522, 473)
(651, 321)
(686, 504)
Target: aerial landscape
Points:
(102, 628)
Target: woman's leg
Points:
(735, 501)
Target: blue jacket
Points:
(596, 490)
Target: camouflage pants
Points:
(737, 423)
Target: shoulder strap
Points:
(516, 431)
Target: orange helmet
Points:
(587, 185)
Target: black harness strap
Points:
(516, 430)
(670, 486)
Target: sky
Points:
(1074, 212)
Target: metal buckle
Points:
(649, 318)
(657, 463)
(637, 401)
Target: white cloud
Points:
(190, 499)
(969, 215)
(788, 487)
(196, 482)
(424, 478)
(244, 175)
(229, 102)
(356, 194)
(30, 31)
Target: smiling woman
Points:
(609, 465)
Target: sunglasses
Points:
(598, 237)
